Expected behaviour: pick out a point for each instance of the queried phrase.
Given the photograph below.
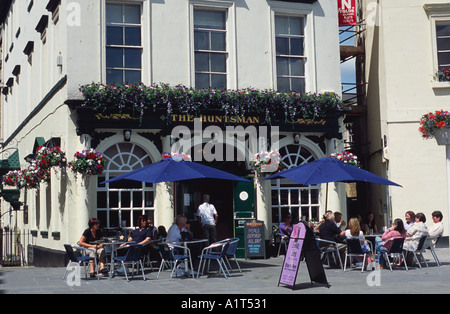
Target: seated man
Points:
(436, 229)
(330, 232)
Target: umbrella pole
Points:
(326, 198)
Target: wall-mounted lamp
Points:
(126, 135)
(296, 138)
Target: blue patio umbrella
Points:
(329, 169)
(326, 170)
(168, 170)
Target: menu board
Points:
(254, 239)
(292, 258)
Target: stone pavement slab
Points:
(259, 277)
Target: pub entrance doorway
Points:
(189, 197)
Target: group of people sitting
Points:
(90, 238)
(331, 227)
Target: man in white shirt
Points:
(174, 232)
(207, 216)
(437, 228)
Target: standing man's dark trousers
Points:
(210, 233)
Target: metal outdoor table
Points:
(371, 238)
(185, 244)
(113, 249)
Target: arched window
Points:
(302, 202)
(120, 203)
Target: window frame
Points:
(230, 38)
(290, 56)
(105, 46)
(439, 12)
(287, 9)
(434, 21)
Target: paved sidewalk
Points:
(259, 277)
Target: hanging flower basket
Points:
(347, 158)
(13, 178)
(87, 162)
(39, 169)
(47, 157)
(266, 162)
(435, 125)
(176, 156)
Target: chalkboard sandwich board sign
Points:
(254, 239)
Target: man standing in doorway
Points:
(207, 216)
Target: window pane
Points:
(125, 200)
(296, 46)
(294, 197)
(218, 41)
(296, 25)
(114, 13)
(282, 46)
(297, 66)
(137, 199)
(133, 76)
(132, 58)
(283, 84)
(133, 36)
(114, 77)
(113, 199)
(443, 29)
(201, 81)
(218, 81)
(284, 197)
(101, 200)
(281, 25)
(201, 40)
(218, 62)
(274, 197)
(282, 66)
(114, 218)
(201, 61)
(443, 58)
(114, 35)
(209, 19)
(114, 57)
(298, 85)
(132, 14)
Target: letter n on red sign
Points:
(347, 12)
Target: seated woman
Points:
(354, 231)
(286, 227)
(92, 234)
(415, 232)
(383, 244)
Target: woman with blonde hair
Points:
(354, 231)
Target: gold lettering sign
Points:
(309, 122)
(215, 119)
(115, 116)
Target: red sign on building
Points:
(347, 12)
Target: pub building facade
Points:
(122, 78)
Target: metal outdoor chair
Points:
(231, 252)
(73, 258)
(133, 256)
(354, 250)
(170, 258)
(419, 250)
(220, 258)
(396, 249)
(284, 243)
(432, 246)
(331, 248)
